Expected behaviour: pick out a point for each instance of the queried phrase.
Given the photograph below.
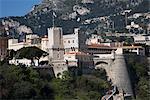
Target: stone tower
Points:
(81, 39)
(56, 50)
(120, 76)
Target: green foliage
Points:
(30, 53)
(11, 54)
(143, 89)
(138, 68)
(84, 87)
(18, 82)
(24, 89)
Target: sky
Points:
(16, 7)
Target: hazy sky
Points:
(16, 7)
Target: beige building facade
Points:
(3, 47)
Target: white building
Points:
(142, 39)
(133, 25)
(15, 45)
(30, 40)
(75, 42)
(78, 59)
(94, 39)
(71, 51)
(44, 43)
(139, 50)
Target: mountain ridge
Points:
(74, 13)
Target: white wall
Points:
(22, 61)
(16, 46)
(44, 44)
(31, 36)
(119, 51)
(104, 56)
(71, 40)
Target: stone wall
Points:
(117, 72)
(120, 76)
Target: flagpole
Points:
(53, 19)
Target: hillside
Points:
(88, 14)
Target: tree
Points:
(24, 89)
(11, 54)
(23, 83)
(30, 53)
(84, 87)
(138, 70)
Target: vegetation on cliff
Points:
(18, 82)
(70, 14)
(138, 69)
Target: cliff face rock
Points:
(77, 13)
(24, 29)
(87, 1)
(81, 10)
(10, 23)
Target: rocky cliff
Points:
(88, 14)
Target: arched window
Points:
(101, 62)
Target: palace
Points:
(76, 52)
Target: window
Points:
(73, 48)
(2, 51)
(58, 56)
(99, 40)
(68, 41)
(72, 41)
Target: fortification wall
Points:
(117, 72)
(120, 76)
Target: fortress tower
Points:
(117, 72)
(120, 76)
(56, 50)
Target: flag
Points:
(78, 19)
(54, 14)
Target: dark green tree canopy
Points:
(30, 53)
